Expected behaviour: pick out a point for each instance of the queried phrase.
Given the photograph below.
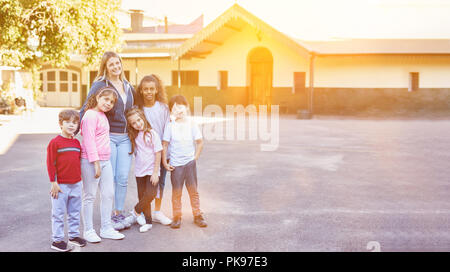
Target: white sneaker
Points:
(140, 219)
(129, 220)
(111, 234)
(91, 236)
(159, 217)
(145, 228)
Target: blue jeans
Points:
(121, 164)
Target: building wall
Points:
(161, 67)
(232, 57)
(211, 96)
(342, 84)
(381, 71)
(387, 100)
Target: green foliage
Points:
(33, 32)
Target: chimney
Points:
(137, 19)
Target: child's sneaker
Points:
(111, 234)
(125, 220)
(117, 223)
(159, 217)
(77, 241)
(140, 219)
(61, 246)
(91, 236)
(200, 221)
(145, 228)
(129, 220)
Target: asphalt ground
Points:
(333, 184)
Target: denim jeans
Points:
(179, 176)
(69, 200)
(121, 164)
(90, 186)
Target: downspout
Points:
(136, 76)
(311, 83)
(179, 75)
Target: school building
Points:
(239, 59)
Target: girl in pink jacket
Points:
(96, 169)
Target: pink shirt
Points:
(145, 153)
(94, 128)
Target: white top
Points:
(145, 153)
(124, 97)
(181, 137)
(158, 117)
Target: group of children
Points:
(175, 140)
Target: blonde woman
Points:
(111, 74)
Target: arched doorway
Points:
(259, 76)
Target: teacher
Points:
(111, 74)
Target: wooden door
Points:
(260, 77)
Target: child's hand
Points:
(98, 170)
(169, 167)
(54, 190)
(154, 179)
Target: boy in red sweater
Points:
(64, 170)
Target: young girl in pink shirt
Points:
(96, 169)
(146, 146)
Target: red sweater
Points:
(63, 160)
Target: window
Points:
(60, 81)
(74, 82)
(413, 82)
(51, 81)
(186, 78)
(63, 81)
(127, 75)
(222, 80)
(299, 82)
(92, 76)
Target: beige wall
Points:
(381, 71)
(160, 67)
(232, 57)
(331, 71)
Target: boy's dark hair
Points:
(179, 99)
(67, 115)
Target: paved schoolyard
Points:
(334, 184)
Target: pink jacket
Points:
(95, 131)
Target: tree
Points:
(34, 32)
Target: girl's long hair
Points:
(92, 100)
(133, 133)
(161, 94)
(102, 72)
